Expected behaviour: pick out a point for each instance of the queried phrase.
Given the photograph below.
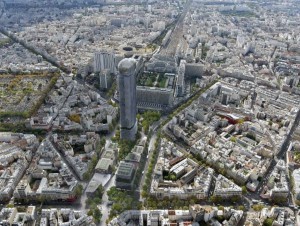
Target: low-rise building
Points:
(225, 188)
(125, 175)
(11, 216)
(65, 217)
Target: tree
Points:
(268, 222)
(97, 200)
(149, 117)
(241, 208)
(125, 147)
(144, 194)
(172, 177)
(117, 207)
(220, 218)
(102, 142)
(244, 190)
(235, 198)
(75, 118)
(94, 160)
(100, 191)
(215, 199)
(233, 139)
(198, 157)
(41, 199)
(78, 190)
(90, 212)
(257, 207)
(10, 205)
(221, 207)
(97, 215)
(86, 176)
(88, 202)
(279, 200)
(240, 121)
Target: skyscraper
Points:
(105, 79)
(180, 84)
(104, 60)
(127, 99)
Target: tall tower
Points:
(127, 92)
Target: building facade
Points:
(104, 60)
(127, 99)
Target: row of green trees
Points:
(155, 152)
(93, 202)
(169, 203)
(20, 127)
(218, 199)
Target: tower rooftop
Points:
(127, 66)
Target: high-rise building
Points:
(104, 60)
(180, 84)
(225, 98)
(127, 98)
(105, 77)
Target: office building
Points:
(154, 98)
(105, 77)
(127, 92)
(104, 60)
(180, 84)
(125, 175)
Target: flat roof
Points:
(125, 168)
(109, 154)
(104, 164)
(133, 156)
(92, 187)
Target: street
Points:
(104, 205)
